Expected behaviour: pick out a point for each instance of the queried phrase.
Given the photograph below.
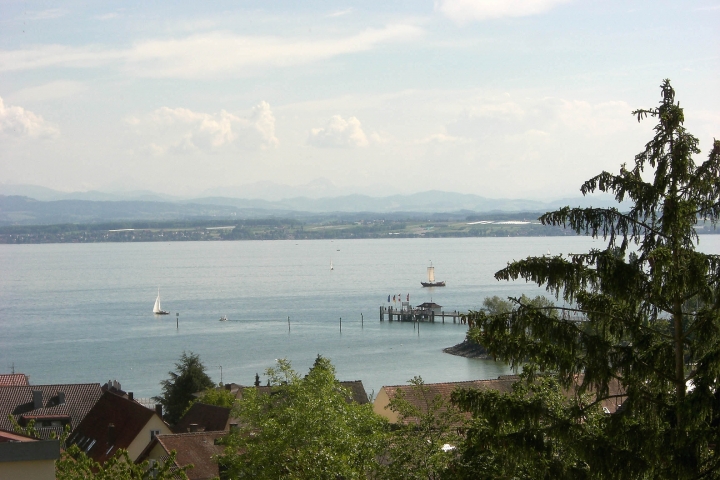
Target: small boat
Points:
(157, 309)
(431, 278)
(224, 318)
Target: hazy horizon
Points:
(520, 99)
(270, 191)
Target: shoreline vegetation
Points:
(491, 225)
(280, 229)
(469, 349)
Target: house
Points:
(52, 407)
(13, 380)
(356, 389)
(502, 384)
(204, 418)
(117, 422)
(27, 458)
(430, 307)
(196, 448)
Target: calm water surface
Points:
(82, 312)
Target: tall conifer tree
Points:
(651, 306)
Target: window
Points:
(153, 433)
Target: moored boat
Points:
(431, 278)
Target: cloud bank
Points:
(339, 133)
(18, 122)
(178, 130)
(205, 55)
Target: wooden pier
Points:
(409, 314)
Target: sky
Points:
(499, 98)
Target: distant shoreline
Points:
(439, 226)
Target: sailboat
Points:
(157, 309)
(431, 278)
(331, 266)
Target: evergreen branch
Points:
(592, 220)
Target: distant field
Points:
(271, 229)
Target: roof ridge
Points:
(502, 377)
(50, 385)
(189, 434)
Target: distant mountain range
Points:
(26, 204)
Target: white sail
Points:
(157, 308)
(431, 274)
(331, 265)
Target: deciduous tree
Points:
(305, 428)
(219, 397)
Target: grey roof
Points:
(207, 417)
(19, 402)
(358, 394)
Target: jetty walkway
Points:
(419, 314)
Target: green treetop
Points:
(304, 428)
(651, 310)
(177, 391)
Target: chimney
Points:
(158, 409)
(37, 399)
(111, 434)
(61, 398)
(193, 427)
(130, 396)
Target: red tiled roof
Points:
(195, 448)
(13, 380)
(128, 418)
(18, 401)
(206, 417)
(502, 384)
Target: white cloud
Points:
(464, 11)
(339, 13)
(199, 56)
(19, 122)
(108, 16)
(49, 91)
(339, 133)
(505, 116)
(263, 121)
(442, 138)
(45, 14)
(183, 130)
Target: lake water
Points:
(73, 313)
